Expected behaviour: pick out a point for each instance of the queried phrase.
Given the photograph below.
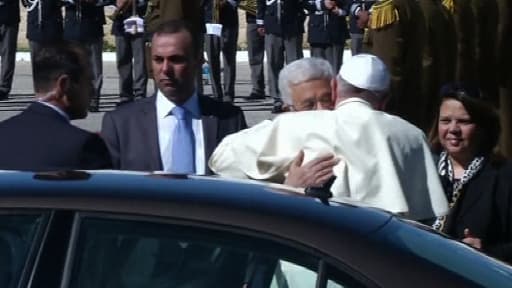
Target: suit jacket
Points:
(85, 23)
(10, 12)
(325, 27)
(485, 208)
(290, 23)
(386, 161)
(132, 136)
(47, 28)
(39, 139)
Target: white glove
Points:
(134, 25)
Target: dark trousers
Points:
(332, 53)
(8, 45)
(131, 66)
(280, 50)
(95, 51)
(256, 52)
(356, 43)
(227, 45)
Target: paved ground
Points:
(22, 95)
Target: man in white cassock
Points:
(385, 160)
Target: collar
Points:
(164, 106)
(352, 100)
(57, 109)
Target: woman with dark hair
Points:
(464, 137)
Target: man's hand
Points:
(312, 174)
(471, 240)
(330, 4)
(362, 19)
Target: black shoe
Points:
(3, 96)
(277, 108)
(255, 96)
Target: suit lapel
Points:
(210, 127)
(150, 132)
(484, 182)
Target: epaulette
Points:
(450, 6)
(383, 13)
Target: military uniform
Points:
(83, 24)
(226, 43)
(130, 58)
(44, 24)
(327, 31)
(9, 24)
(439, 55)
(283, 21)
(505, 74)
(397, 31)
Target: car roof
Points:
(65, 186)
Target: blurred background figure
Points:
(130, 45)
(83, 24)
(327, 30)
(359, 14)
(44, 23)
(9, 24)
(222, 12)
(256, 54)
(464, 137)
(282, 23)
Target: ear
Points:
(62, 85)
(334, 90)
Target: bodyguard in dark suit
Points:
(282, 22)
(9, 24)
(41, 137)
(223, 12)
(84, 24)
(327, 30)
(130, 58)
(177, 129)
(44, 24)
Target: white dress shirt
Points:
(167, 122)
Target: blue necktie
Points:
(183, 144)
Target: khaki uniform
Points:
(505, 74)
(162, 10)
(486, 21)
(438, 54)
(397, 30)
(464, 21)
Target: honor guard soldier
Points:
(505, 74)
(359, 13)
(9, 24)
(44, 22)
(256, 53)
(397, 29)
(225, 13)
(438, 57)
(128, 30)
(327, 30)
(282, 22)
(83, 24)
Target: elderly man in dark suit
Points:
(176, 130)
(41, 137)
(9, 24)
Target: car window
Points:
(133, 254)
(17, 235)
